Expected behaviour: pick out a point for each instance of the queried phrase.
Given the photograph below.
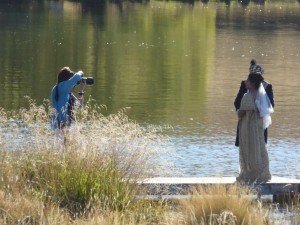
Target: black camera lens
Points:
(86, 80)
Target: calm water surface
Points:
(171, 63)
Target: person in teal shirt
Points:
(63, 100)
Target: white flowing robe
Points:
(253, 156)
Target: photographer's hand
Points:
(81, 93)
(81, 87)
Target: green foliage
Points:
(75, 182)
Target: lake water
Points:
(170, 63)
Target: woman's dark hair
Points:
(63, 75)
(256, 79)
(252, 62)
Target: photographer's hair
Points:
(256, 79)
(63, 75)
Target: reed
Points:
(92, 177)
(97, 165)
(221, 204)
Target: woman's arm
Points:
(53, 100)
(68, 85)
(269, 91)
(74, 79)
(71, 83)
(239, 96)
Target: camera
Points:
(86, 80)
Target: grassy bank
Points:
(93, 178)
(94, 170)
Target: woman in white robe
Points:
(254, 117)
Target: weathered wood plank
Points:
(211, 180)
(181, 185)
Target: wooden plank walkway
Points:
(182, 185)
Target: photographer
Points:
(64, 101)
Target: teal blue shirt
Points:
(62, 104)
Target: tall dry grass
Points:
(93, 178)
(223, 204)
(95, 169)
(135, 149)
(286, 211)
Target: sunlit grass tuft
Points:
(20, 208)
(223, 204)
(73, 181)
